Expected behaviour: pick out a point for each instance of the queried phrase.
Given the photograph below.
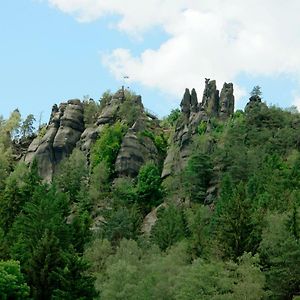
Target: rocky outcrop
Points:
(136, 150)
(226, 101)
(254, 101)
(62, 133)
(66, 130)
(193, 114)
(210, 99)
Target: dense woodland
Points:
(243, 243)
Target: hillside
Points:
(106, 201)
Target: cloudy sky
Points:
(53, 50)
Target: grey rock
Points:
(226, 101)
(135, 151)
(186, 103)
(210, 100)
(194, 101)
(63, 132)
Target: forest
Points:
(227, 224)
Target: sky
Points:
(55, 50)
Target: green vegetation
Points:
(227, 226)
(108, 145)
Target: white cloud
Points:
(209, 38)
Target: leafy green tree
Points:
(12, 125)
(256, 91)
(280, 254)
(20, 186)
(46, 212)
(234, 222)
(173, 116)
(149, 187)
(74, 281)
(169, 227)
(91, 111)
(122, 223)
(72, 174)
(204, 280)
(12, 283)
(197, 176)
(27, 127)
(198, 223)
(43, 266)
(124, 192)
(107, 146)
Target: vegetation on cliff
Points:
(223, 225)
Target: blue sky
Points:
(48, 54)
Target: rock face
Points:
(193, 113)
(66, 130)
(210, 99)
(226, 101)
(254, 101)
(136, 150)
(62, 133)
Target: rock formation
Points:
(226, 101)
(62, 133)
(66, 130)
(194, 113)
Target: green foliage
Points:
(107, 146)
(197, 176)
(27, 128)
(149, 187)
(159, 141)
(20, 186)
(173, 116)
(122, 223)
(91, 111)
(238, 199)
(256, 91)
(234, 223)
(202, 127)
(12, 283)
(72, 174)
(280, 253)
(219, 280)
(130, 110)
(169, 228)
(105, 99)
(198, 219)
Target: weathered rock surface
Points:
(210, 99)
(226, 101)
(66, 130)
(193, 114)
(63, 132)
(136, 150)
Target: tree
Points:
(256, 91)
(27, 128)
(74, 281)
(149, 187)
(72, 173)
(197, 176)
(43, 266)
(169, 227)
(122, 223)
(280, 254)
(106, 148)
(12, 283)
(234, 222)
(20, 186)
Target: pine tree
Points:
(234, 223)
